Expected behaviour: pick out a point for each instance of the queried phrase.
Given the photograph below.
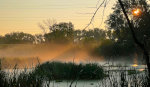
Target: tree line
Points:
(115, 41)
(58, 33)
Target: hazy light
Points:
(141, 69)
(136, 12)
(134, 65)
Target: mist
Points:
(30, 54)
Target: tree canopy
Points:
(62, 32)
(121, 34)
(17, 38)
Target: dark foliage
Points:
(69, 71)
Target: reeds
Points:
(51, 71)
(69, 71)
(45, 74)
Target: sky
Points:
(25, 15)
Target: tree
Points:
(61, 33)
(131, 27)
(121, 31)
(39, 38)
(89, 36)
(117, 22)
(17, 38)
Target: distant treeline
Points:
(117, 40)
(58, 33)
(106, 43)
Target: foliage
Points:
(120, 41)
(69, 71)
(60, 33)
(110, 48)
(118, 23)
(16, 38)
(44, 74)
(90, 36)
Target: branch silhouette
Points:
(142, 46)
(95, 14)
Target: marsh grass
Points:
(125, 77)
(70, 71)
(51, 71)
(45, 74)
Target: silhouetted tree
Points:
(17, 38)
(118, 23)
(62, 32)
(39, 38)
(142, 45)
(90, 36)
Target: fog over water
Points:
(30, 55)
(46, 52)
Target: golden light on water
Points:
(141, 69)
(136, 12)
(134, 65)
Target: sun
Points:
(136, 12)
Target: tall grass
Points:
(69, 71)
(125, 77)
(44, 74)
(51, 71)
(2, 76)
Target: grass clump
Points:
(69, 71)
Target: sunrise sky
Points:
(24, 15)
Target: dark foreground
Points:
(57, 74)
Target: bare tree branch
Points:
(104, 12)
(46, 25)
(95, 14)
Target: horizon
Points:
(67, 43)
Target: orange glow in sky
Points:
(25, 15)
